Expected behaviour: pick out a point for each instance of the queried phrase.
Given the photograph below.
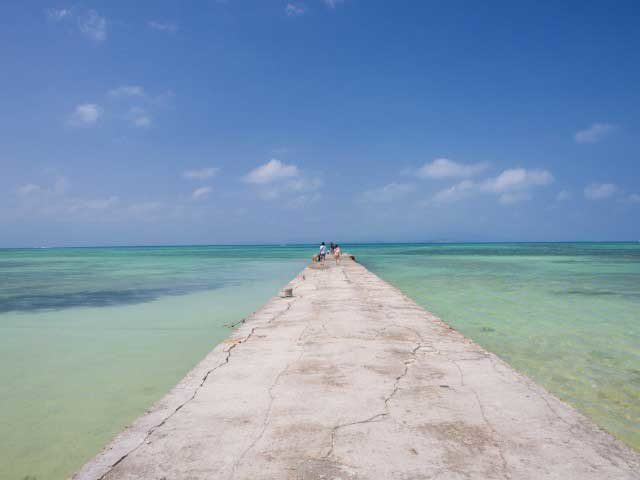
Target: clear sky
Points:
(240, 121)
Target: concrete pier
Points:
(350, 379)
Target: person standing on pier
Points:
(323, 252)
(337, 252)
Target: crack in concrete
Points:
(546, 401)
(460, 371)
(397, 388)
(396, 385)
(505, 465)
(346, 277)
(272, 398)
(388, 398)
(335, 429)
(376, 417)
(403, 327)
(195, 392)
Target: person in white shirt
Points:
(323, 252)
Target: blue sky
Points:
(263, 121)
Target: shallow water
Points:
(568, 315)
(90, 338)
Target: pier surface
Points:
(350, 379)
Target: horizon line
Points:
(308, 244)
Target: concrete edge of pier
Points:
(350, 378)
(134, 435)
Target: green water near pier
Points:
(90, 338)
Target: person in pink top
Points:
(337, 252)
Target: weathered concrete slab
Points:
(351, 379)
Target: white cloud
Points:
(88, 114)
(142, 121)
(127, 91)
(53, 200)
(444, 168)
(162, 26)
(85, 115)
(138, 117)
(88, 22)
(141, 113)
(201, 192)
(303, 185)
(517, 179)
(600, 191)
(511, 186)
(510, 198)
(633, 198)
(563, 195)
(271, 171)
(61, 185)
(294, 9)
(455, 192)
(93, 26)
(57, 14)
(28, 189)
(277, 180)
(201, 174)
(32, 191)
(386, 194)
(594, 133)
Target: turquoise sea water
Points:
(90, 338)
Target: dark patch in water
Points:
(7, 264)
(487, 329)
(634, 375)
(587, 292)
(602, 355)
(103, 298)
